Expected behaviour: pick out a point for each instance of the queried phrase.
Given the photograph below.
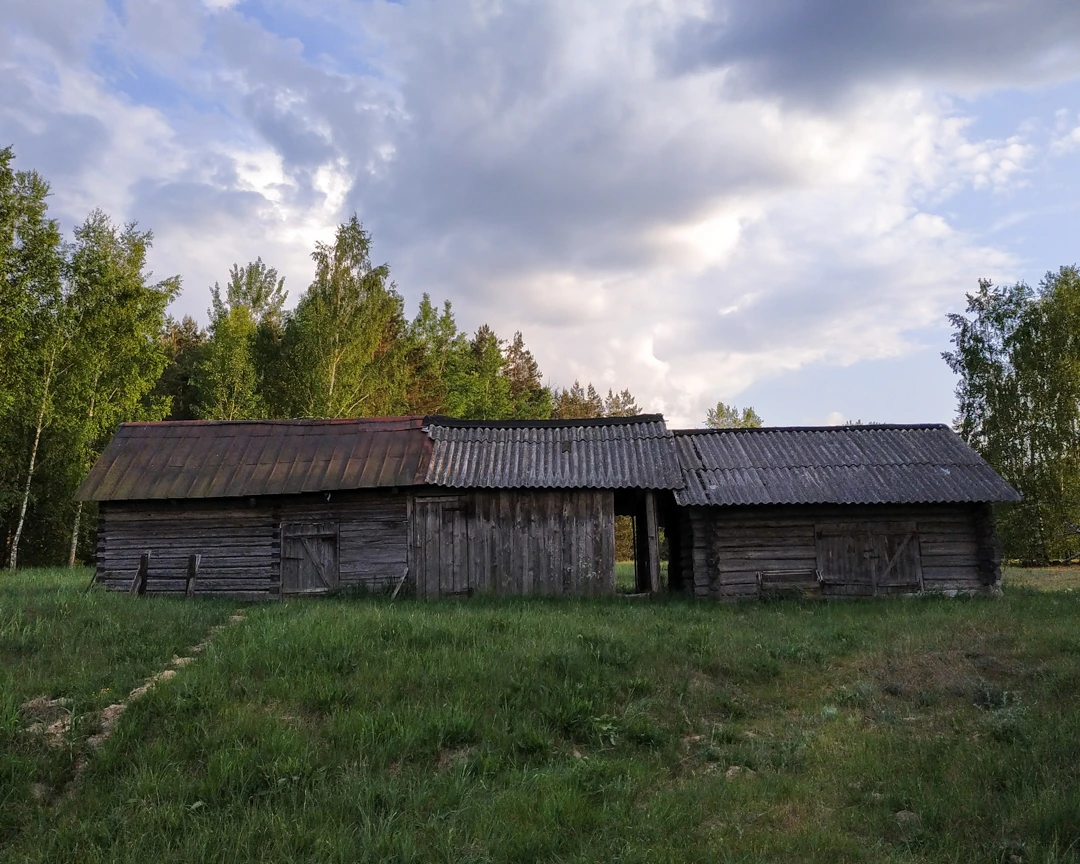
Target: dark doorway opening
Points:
(640, 508)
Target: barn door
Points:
(868, 557)
(309, 557)
(441, 546)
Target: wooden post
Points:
(138, 584)
(641, 545)
(193, 562)
(653, 541)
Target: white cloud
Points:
(544, 165)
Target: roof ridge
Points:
(570, 423)
(281, 421)
(864, 427)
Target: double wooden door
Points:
(309, 557)
(868, 557)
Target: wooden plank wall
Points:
(372, 534)
(238, 545)
(728, 547)
(514, 542)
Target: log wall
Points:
(513, 542)
(729, 548)
(240, 542)
(238, 545)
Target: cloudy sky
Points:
(768, 202)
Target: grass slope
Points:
(359, 730)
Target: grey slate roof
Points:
(609, 453)
(834, 465)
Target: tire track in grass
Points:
(54, 720)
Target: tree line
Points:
(86, 343)
(1017, 354)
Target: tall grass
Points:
(362, 730)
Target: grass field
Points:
(360, 730)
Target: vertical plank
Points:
(653, 540)
(462, 552)
(607, 538)
(435, 548)
(518, 573)
(483, 526)
(563, 578)
(575, 535)
(138, 584)
(192, 574)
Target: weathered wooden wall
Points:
(238, 545)
(513, 542)
(372, 534)
(240, 542)
(727, 548)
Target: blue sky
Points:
(773, 203)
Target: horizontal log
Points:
(214, 517)
(189, 546)
(970, 560)
(766, 553)
(210, 561)
(931, 548)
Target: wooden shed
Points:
(842, 510)
(441, 507)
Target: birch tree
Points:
(115, 353)
(343, 345)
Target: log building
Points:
(440, 507)
(840, 510)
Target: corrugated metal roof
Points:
(834, 465)
(609, 453)
(211, 459)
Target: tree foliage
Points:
(725, 416)
(86, 343)
(1017, 355)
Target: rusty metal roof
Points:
(218, 459)
(834, 465)
(606, 453)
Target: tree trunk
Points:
(13, 558)
(75, 534)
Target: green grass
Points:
(1056, 578)
(363, 730)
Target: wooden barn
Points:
(843, 510)
(435, 506)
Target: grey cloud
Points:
(821, 49)
(57, 143)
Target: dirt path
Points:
(53, 720)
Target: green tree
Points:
(35, 330)
(577, 403)
(725, 416)
(530, 398)
(477, 389)
(227, 375)
(184, 343)
(1017, 355)
(435, 346)
(343, 354)
(115, 355)
(622, 404)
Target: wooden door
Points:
(868, 557)
(442, 554)
(309, 557)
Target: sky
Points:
(772, 203)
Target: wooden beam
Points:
(138, 584)
(653, 541)
(192, 574)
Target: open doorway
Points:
(640, 543)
